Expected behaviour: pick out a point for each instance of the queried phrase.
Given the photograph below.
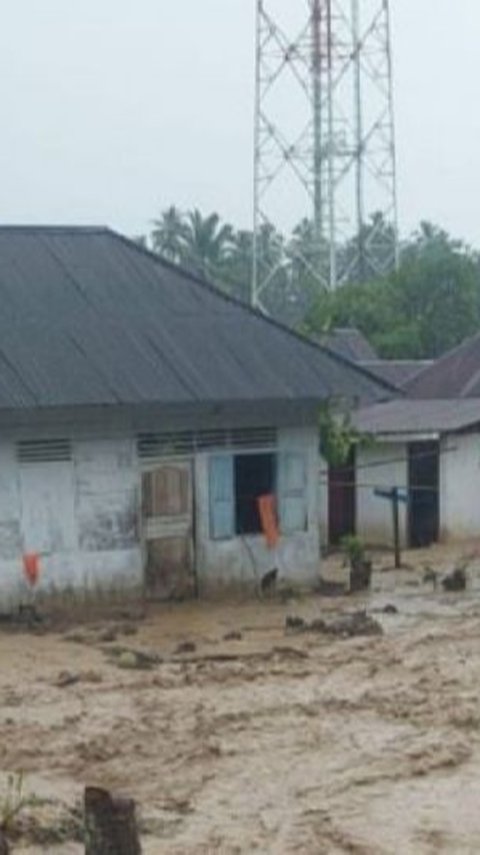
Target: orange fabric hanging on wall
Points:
(31, 567)
(268, 520)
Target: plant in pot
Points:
(360, 565)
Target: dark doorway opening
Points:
(254, 477)
(341, 501)
(424, 502)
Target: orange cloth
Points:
(268, 520)
(31, 567)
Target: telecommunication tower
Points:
(324, 142)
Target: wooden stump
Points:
(110, 824)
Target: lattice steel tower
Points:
(324, 143)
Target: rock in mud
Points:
(390, 609)
(66, 678)
(126, 658)
(456, 580)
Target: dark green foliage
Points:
(337, 436)
(430, 305)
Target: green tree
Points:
(430, 305)
(207, 244)
(168, 235)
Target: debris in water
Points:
(233, 636)
(66, 678)
(185, 647)
(345, 626)
(455, 581)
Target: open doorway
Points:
(424, 503)
(341, 501)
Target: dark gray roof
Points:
(90, 318)
(350, 343)
(409, 417)
(396, 371)
(454, 375)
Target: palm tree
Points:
(168, 234)
(206, 243)
(237, 268)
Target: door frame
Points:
(348, 492)
(151, 466)
(435, 446)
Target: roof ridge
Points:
(31, 227)
(343, 360)
(440, 361)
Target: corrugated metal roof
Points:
(454, 375)
(88, 317)
(350, 343)
(396, 371)
(415, 416)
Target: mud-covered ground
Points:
(265, 741)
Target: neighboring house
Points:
(429, 445)
(340, 501)
(398, 372)
(142, 415)
(350, 343)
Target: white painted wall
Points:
(80, 516)
(83, 516)
(382, 465)
(460, 487)
(241, 561)
(323, 503)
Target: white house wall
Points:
(460, 487)
(382, 465)
(82, 517)
(241, 561)
(323, 499)
(79, 516)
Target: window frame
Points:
(283, 492)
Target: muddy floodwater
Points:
(234, 736)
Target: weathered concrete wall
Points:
(241, 561)
(459, 487)
(382, 465)
(80, 516)
(323, 503)
(83, 518)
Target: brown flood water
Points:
(368, 745)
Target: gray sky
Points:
(113, 109)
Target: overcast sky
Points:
(112, 109)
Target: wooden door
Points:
(342, 501)
(167, 510)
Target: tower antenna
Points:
(325, 167)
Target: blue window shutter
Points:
(222, 497)
(292, 492)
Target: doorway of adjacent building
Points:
(424, 502)
(168, 531)
(341, 501)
